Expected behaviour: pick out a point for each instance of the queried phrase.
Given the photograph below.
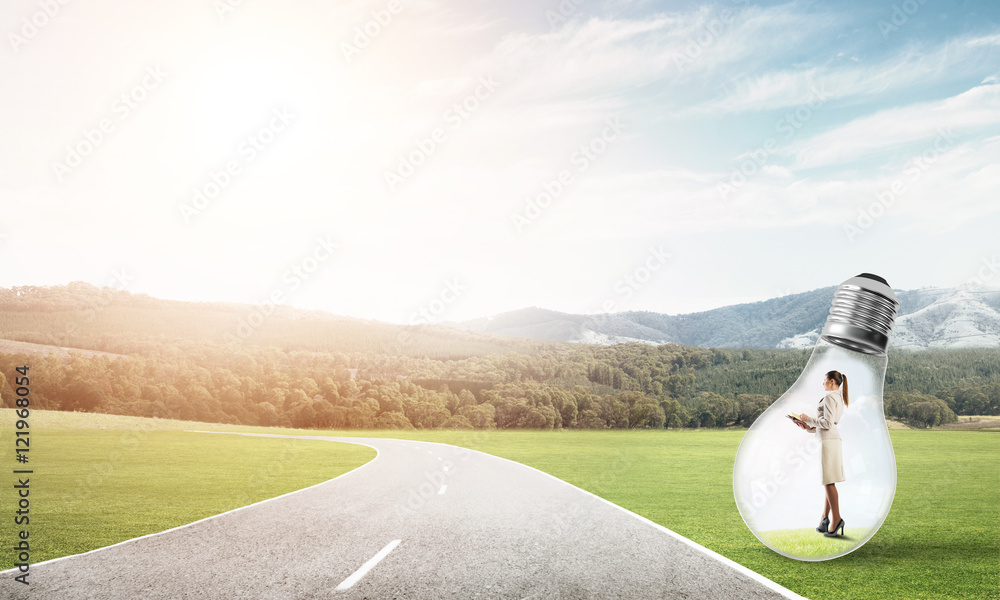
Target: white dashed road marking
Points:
(357, 575)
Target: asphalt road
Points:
(422, 520)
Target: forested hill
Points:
(966, 316)
(80, 315)
(306, 369)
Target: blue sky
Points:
(762, 148)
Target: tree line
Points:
(306, 369)
(624, 386)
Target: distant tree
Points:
(565, 405)
(538, 417)
(751, 406)
(590, 419)
(361, 416)
(427, 415)
(674, 414)
(614, 412)
(294, 399)
(85, 395)
(510, 412)
(481, 416)
(465, 398)
(267, 415)
(303, 416)
(393, 420)
(721, 408)
(929, 412)
(584, 398)
(643, 411)
(458, 422)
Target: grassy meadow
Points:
(102, 479)
(807, 543)
(941, 539)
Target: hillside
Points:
(80, 315)
(963, 317)
(28, 349)
(307, 369)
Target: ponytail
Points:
(841, 380)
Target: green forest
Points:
(218, 363)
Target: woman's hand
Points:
(803, 417)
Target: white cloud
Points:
(989, 40)
(844, 79)
(618, 55)
(965, 115)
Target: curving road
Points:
(422, 520)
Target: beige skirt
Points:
(833, 461)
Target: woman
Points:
(830, 408)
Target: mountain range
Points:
(958, 317)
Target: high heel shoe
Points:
(834, 533)
(824, 525)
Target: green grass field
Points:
(941, 539)
(807, 543)
(102, 479)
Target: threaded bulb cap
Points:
(863, 312)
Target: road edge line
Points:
(768, 583)
(237, 509)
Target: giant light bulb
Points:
(777, 475)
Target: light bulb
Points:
(777, 476)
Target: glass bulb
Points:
(777, 475)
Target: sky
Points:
(389, 158)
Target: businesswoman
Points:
(828, 414)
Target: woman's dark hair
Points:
(840, 379)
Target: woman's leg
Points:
(826, 505)
(833, 499)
